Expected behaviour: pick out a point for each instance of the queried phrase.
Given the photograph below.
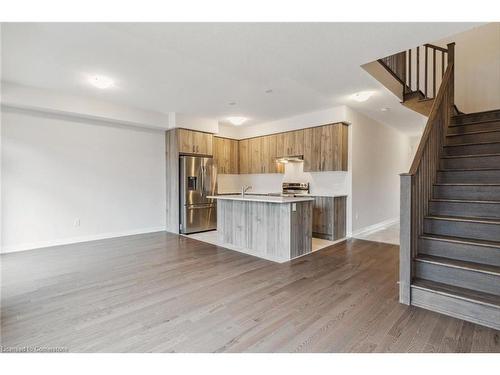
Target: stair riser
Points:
(465, 209)
(462, 278)
(462, 309)
(476, 117)
(472, 162)
(463, 229)
(459, 251)
(474, 192)
(473, 138)
(492, 148)
(469, 177)
(462, 129)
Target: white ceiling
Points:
(198, 68)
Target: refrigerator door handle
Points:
(202, 181)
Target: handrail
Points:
(435, 47)
(430, 122)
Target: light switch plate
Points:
(294, 206)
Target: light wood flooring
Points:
(162, 292)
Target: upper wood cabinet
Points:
(226, 154)
(290, 143)
(194, 142)
(325, 148)
(244, 156)
(258, 155)
(269, 153)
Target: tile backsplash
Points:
(322, 183)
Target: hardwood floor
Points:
(162, 292)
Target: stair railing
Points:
(416, 186)
(420, 69)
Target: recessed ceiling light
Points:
(236, 120)
(362, 96)
(385, 109)
(101, 82)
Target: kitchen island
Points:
(270, 227)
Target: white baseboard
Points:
(375, 227)
(68, 241)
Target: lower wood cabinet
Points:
(329, 217)
(226, 155)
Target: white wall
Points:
(477, 68)
(58, 169)
(379, 154)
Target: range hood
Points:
(290, 159)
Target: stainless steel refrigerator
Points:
(198, 179)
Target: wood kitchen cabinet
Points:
(325, 148)
(258, 155)
(254, 146)
(194, 142)
(226, 155)
(329, 217)
(244, 156)
(269, 153)
(290, 143)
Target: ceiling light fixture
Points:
(385, 109)
(236, 120)
(362, 96)
(101, 82)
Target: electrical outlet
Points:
(357, 216)
(76, 223)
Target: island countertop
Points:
(262, 198)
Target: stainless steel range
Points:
(294, 189)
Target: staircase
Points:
(457, 266)
(450, 199)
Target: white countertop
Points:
(262, 198)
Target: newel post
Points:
(405, 253)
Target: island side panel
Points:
(301, 229)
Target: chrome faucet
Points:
(244, 189)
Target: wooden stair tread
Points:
(474, 132)
(464, 184)
(473, 144)
(464, 219)
(462, 293)
(474, 122)
(467, 169)
(459, 240)
(455, 263)
(464, 201)
(469, 156)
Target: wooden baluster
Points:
(442, 65)
(426, 68)
(418, 68)
(409, 70)
(433, 72)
